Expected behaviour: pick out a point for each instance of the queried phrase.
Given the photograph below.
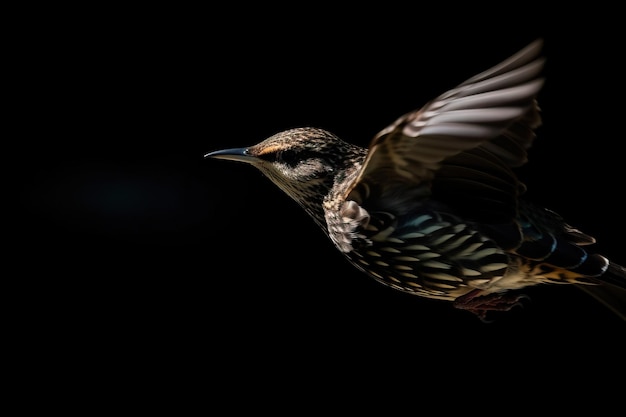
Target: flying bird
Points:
(433, 207)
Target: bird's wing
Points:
(467, 138)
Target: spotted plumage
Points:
(433, 207)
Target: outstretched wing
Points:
(462, 143)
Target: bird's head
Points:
(303, 162)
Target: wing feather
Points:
(490, 117)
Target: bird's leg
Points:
(479, 304)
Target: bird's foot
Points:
(481, 305)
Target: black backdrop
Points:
(144, 251)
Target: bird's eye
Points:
(289, 157)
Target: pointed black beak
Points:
(234, 154)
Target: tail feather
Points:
(615, 275)
(614, 298)
(612, 292)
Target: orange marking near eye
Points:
(270, 149)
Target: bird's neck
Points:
(316, 196)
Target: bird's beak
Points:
(234, 154)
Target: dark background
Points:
(144, 259)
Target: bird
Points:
(434, 206)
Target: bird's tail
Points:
(612, 293)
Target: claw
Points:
(479, 304)
(483, 317)
(519, 302)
